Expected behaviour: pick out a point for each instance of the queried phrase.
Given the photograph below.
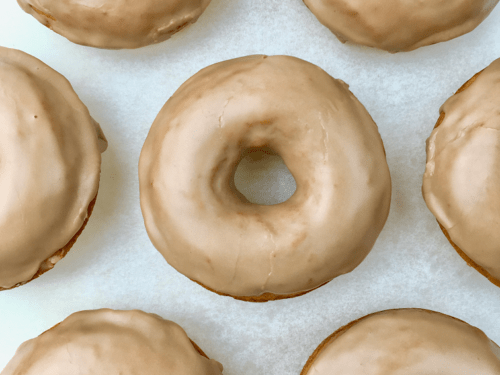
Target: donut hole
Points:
(263, 177)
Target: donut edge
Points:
(460, 252)
(339, 332)
(468, 260)
(198, 349)
(47, 265)
(264, 297)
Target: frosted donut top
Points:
(115, 23)
(400, 25)
(50, 160)
(408, 342)
(328, 141)
(462, 176)
(108, 342)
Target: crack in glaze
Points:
(460, 134)
(324, 138)
(221, 117)
(277, 100)
(70, 357)
(271, 258)
(237, 261)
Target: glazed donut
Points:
(115, 24)
(400, 25)
(106, 341)
(208, 231)
(405, 342)
(462, 177)
(50, 162)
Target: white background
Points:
(113, 264)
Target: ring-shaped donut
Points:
(208, 231)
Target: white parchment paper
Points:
(113, 264)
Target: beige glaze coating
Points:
(462, 175)
(208, 231)
(50, 160)
(115, 23)
(406, 342)
(109, 342)
(400, 25)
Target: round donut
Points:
(115, 24)
(400, 25)
(50, 162)
(207, 230)
(405, 342)
(106, 341)
(462, 175)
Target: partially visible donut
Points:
(105, 342)
(400, 25)
(405, 342)
(462, 174)
(115, 24)
(208, 231)
(50, 164)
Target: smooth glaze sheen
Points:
(109, 342)
(462, 176)
(50, 163)
(207, 230)
(407, 342)
(115, 23)
(400, 25)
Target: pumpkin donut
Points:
(405, 342)
(400, 25)
(115, 24)
(207, 230)
(50, 163)
(462, 174)
(108, 341)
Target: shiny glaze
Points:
(109, 342)
(400, 25)
(462, 174)
(208, 231)
(406, 342)
(115, 23)
(50, 162)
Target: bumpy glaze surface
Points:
(208, 231)
(406, 342)
(400, 25)
(50, 162)
(462, 174)
(115, 24)
(106, 342)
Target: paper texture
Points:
(113, 263)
